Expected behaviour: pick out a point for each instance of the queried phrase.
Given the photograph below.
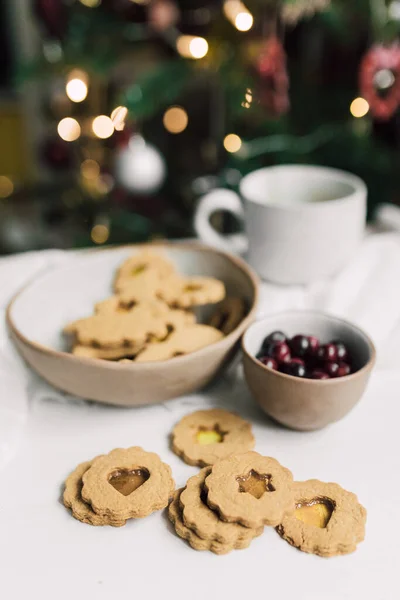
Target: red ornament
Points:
(271, 66)
(53, 14)
(380, 58)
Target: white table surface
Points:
(46, 554)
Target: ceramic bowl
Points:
(307, 404)
(37, 315)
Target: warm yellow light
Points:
(191, 46)
(90, 169)
(359, 107)
(232, 142)
(91, 3)
(143, 2)
(100, 233)
(175, 119)
(6, 186)
(237, 13)
(118, 117)
(103, 127)
(69, 129)
(76, 90)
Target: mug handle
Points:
(220, 199)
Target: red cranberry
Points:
(299, 345)
(295, 368)
(280, 351)
(275, 336)
(341, 349)
(269, 362)
(319, 375)
(297, 361)
(344, 369)
(313, 344)
(327, 352)
(332, 368)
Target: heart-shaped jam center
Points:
(315, 512)
(255, 484)
(206, 436)
(126, 481)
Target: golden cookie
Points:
(206, 436)
(81, 510)
(197, 543)
(107, 353)
(199, 517)
(143, 263)
(250, 489)
(327, 519)
(192, 291)
(228, 315)
(182, 341)
(127, 484)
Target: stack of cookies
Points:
(150, 316)
(124, 484)
(230, 501)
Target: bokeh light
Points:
(6, 186)
(76, 89)
(118, 117)
(232, 142)
(175, 119)
(91, 3)
(100, 233)
(103, 127)
(191, 46)
(90, 169)
(69, 129)
(237, 13)
(359, 107)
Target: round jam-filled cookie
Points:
(197, 543)
(127, 484)
(250, 489)
(206, 436)
(192, 291)
(327, 519)
(81, 510)
(228, 315)
(142, 264)
(199, 517)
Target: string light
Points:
(90, 169)
(91, 3)
(118, 117)
(6, 186)
(100, 233)
(175, 119)
(359, 107)
(102, 127)
(76, 87)
(248, 98)
(237, 13)
(191, 46)
(69, 129)
(232, 142)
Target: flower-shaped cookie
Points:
(197, 543)
(206, 436)
(250, 489)
(185, 292)
(81, 510)
(327, 520)
(154, 264)
(199, 517)
(127, 484)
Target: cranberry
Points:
(327, 352)
(297, 361)
(280, 351)
(319, 375)
(344, 369)
(295, 368)
(341, 349)
(332, 368)
(299, 345)
(269, 362)
(313, 344)
(275, 336)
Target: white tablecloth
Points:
(46, 554)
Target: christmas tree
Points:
(151, 103)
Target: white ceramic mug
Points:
(302, 222)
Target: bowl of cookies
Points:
(135, 325)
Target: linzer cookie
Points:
(327, 519)
(250, 489)
(228, 315)
(81, 510)
(199, 517)
(196, 542)
(206, 436)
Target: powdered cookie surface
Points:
(127, 483)
(327, 520)
(199, 517)
(81, 510)
(206, 436)
(250, 489)
(197, 543)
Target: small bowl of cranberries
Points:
(306, 369)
